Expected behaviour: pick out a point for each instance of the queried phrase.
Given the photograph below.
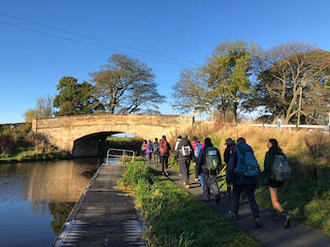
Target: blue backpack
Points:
(247, 164)
(198, 149)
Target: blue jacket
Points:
(232, 177)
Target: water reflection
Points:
(36, 198)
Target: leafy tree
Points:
(44, 109)
(75, 98)
(125, 85)
(191, 93)
(228, 71)
(293, 80)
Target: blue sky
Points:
(32, 63)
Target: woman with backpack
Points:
(273, 184)
(164, 153)
(149, 150)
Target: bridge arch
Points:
(64, 132)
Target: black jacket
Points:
(202, 159)
(184, 142)
(227, 153)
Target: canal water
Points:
(36, 198)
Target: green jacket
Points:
(269, 161)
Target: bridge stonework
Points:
(64, 132)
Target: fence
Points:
(119, 154)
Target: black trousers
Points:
(184, 167)
(164, 161)
(249, 190)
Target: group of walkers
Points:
(242, 170)
(159, 150)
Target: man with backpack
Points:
(242, 172)
(185, 154)
(196, 148)
(155, 151)
(164, 153)
(208, 165)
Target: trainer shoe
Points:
(257, 223)
(287, 221)
(231, 215)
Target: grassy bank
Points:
(307, 195)
(174, 217)
(18, 143)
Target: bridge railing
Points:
(119, 154)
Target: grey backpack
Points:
(281, 168)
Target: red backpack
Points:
(163, 147)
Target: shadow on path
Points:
(272, 233)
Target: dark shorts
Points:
(274, 183)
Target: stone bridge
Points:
(82, 135)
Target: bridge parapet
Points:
(63, 131)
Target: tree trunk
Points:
(235, 111)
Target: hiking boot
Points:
(257, 223)
(287, 220)
(218, 198)
(232, 216)
(273, 214)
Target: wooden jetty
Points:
(103, 216)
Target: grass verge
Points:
(176, 218)
(307, 202)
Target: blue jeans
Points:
(156, 159)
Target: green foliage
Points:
(125, 85)
(176, 218)
(285, 70)
(228, 71)
(75, 98)
(44, 109)
(191, 93)
(7, 143)
(17, 143)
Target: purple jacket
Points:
(149, 148)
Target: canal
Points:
(36, 198)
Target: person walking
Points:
(176, 152)
(230, 147)
(273, 184)
(164, 153)
(149, 150)
(242, 172)
(143, 148)
(155, 151)
(185, 154)
(208, 165)
(196, 146)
